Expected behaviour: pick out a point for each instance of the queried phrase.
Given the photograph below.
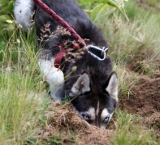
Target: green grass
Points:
(136, 40)
(128, 41)
(21, 97)
(22, 93)
(131, 131)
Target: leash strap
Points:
(62, 53)
(91, 49)
(59, 58)
(64, 24)
(60, 21)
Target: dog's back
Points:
(91, 85)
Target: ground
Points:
(143, 100)
(66, 120)
(29, 116)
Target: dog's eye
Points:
(85, 117)
(106, 119)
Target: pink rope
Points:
(60, 21)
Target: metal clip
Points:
(97, 52)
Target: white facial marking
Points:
(54, 76)
(105, 113)
(97, 111)
(91, 113)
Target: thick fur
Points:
(91, 85)
(23, 11)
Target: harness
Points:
(91, 49)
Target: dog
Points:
(87, 79)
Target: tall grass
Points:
(137, 39)
(21, 93)
(22, 88)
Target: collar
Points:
(62, 54)
(96, 52)
(59, 58)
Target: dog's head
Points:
(95, 102)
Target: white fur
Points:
(23, 11)
(105, 113)
(81, 85)
(54, 76)
(112, 87)
(97, 111)
(90, 112)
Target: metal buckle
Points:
(98, 53)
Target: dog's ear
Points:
(81, 86)
(112, 87)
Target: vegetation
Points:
(6, 17)
(132, 35)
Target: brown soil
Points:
(65, 120)
(144, 101)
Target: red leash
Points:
(59, 20)
(62, 53)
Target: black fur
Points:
(89, 83)
(79, 21)
(98, 71)
(74, 16)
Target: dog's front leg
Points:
(54, 76)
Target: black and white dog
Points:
(89, 82)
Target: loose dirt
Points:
(65, 120)
(144, 100)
